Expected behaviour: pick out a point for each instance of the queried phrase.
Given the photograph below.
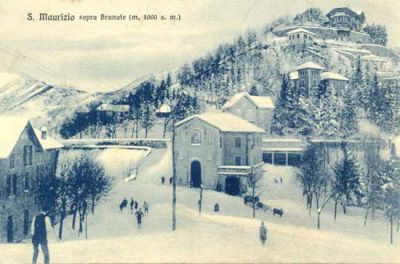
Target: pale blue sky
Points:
(107, 55)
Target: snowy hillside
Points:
(38, 101)
(230, 235)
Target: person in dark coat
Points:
(136, 205)
(263, 233)
(40, 226)
(132, 204)
(170, 180)
(146, 207)
(139, 215)
(123, 204)
(216, 207)
(162, 180)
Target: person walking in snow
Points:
(263, 233)
(162, 180)
(216, 207)
(139, 215)
(123, 204)
(40, 226)
(170, 180)
(132, 204)
(136, 205)
(146, 207)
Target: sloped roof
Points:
(11, 129)
(112, 107)
(301, 30)
(225, 122)
(294, 75)
(310, 65)
(258, 101)
(48, 143)
(333, 76)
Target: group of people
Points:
(139, 213)
(163, 180)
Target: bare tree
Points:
(254, 182)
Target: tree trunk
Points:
(373, 214)
(319, 219)
(62, 216)
(335, 210)
(165, 128)
(93, 201)
(86, 225)
(74, 218)
(366, 217)
(344, 209)
(391, 228)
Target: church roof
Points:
(310, 65)
(258, 101)
(225, 122)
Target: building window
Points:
(14, 184)
(238, 160)
(26, 182)
(238, 142)
(196, 137)
(27, 155)
(8, 185)
(12, 161)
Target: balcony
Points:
(237, 170)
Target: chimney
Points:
(43, 133)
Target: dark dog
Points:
(278, 211)
(262, 206)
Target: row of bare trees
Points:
(345, 184)
(77, 189)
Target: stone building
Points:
(308, 77)
(27, 156)
(217, 149)
(257, 110)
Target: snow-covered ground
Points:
(228, 236)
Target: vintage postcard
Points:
(199, 131)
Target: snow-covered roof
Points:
(48, 143)
(11, 129)
(225, 122)
(310, 65)
(333, 76)
(259, 101)
(164, 108)
(301, 30)
(294, 75)
(114, 108)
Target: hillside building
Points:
(111, 110)
(308, 77)
(345, 19)
(300, 38)
(27, 156)
(217, 149)
(257, 110)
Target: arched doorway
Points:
(232, 185)
(195, 174)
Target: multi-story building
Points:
(27, 157)
(255, 109)
(308, 77)
(217, 149)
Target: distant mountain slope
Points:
(44, 104)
